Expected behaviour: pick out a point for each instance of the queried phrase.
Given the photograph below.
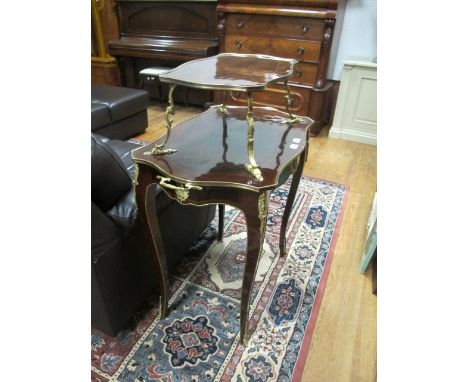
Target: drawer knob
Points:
(300, 50)
(240, 23)
(238, 44)
(305, 28)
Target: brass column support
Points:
(159, 149)
(252, 166)
(292, 118)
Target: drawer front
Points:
(304, 73)
(274, 96)
(287, 48)
(296, 27)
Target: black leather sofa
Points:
(118, 112)
(122, 268)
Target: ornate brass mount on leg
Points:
(182, 193)
(262, 214)
(292, 118)
(222, 107)
(136, 173)
(252, 166)
(159, 149)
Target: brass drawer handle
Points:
(240, 23)
(182, 193)
(298, 72)
(305, 28)
(238, 44)
(300, 50)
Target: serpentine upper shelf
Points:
(231, 71)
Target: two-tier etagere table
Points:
(226, 155)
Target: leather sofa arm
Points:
(109, 177)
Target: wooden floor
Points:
(343, 346)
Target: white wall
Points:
(358, 38)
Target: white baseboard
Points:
(351, 135)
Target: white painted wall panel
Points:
(358, 37)
(356, 108)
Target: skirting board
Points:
(356, 110)
(352, 135)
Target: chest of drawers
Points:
(298, 29)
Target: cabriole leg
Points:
(145, 194)
(256, 223)
(290, 201)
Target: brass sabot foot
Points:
(245, 339)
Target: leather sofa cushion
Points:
(121, 102)
(109, 178)
(100, 116)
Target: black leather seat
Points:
(118, 112)
(122, 268)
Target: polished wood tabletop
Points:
(231, 71)
(211, 148)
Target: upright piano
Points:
(164, 33)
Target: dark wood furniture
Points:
(203, 160)
(164, 33)
(298, 29)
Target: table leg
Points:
(256, 222)
(220, 221)
(145, 194)
(289, 203)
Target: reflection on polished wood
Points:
(222, 161)
(231, 71)
(343, 347)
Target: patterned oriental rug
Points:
(199, 340)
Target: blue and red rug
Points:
(199, 340)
